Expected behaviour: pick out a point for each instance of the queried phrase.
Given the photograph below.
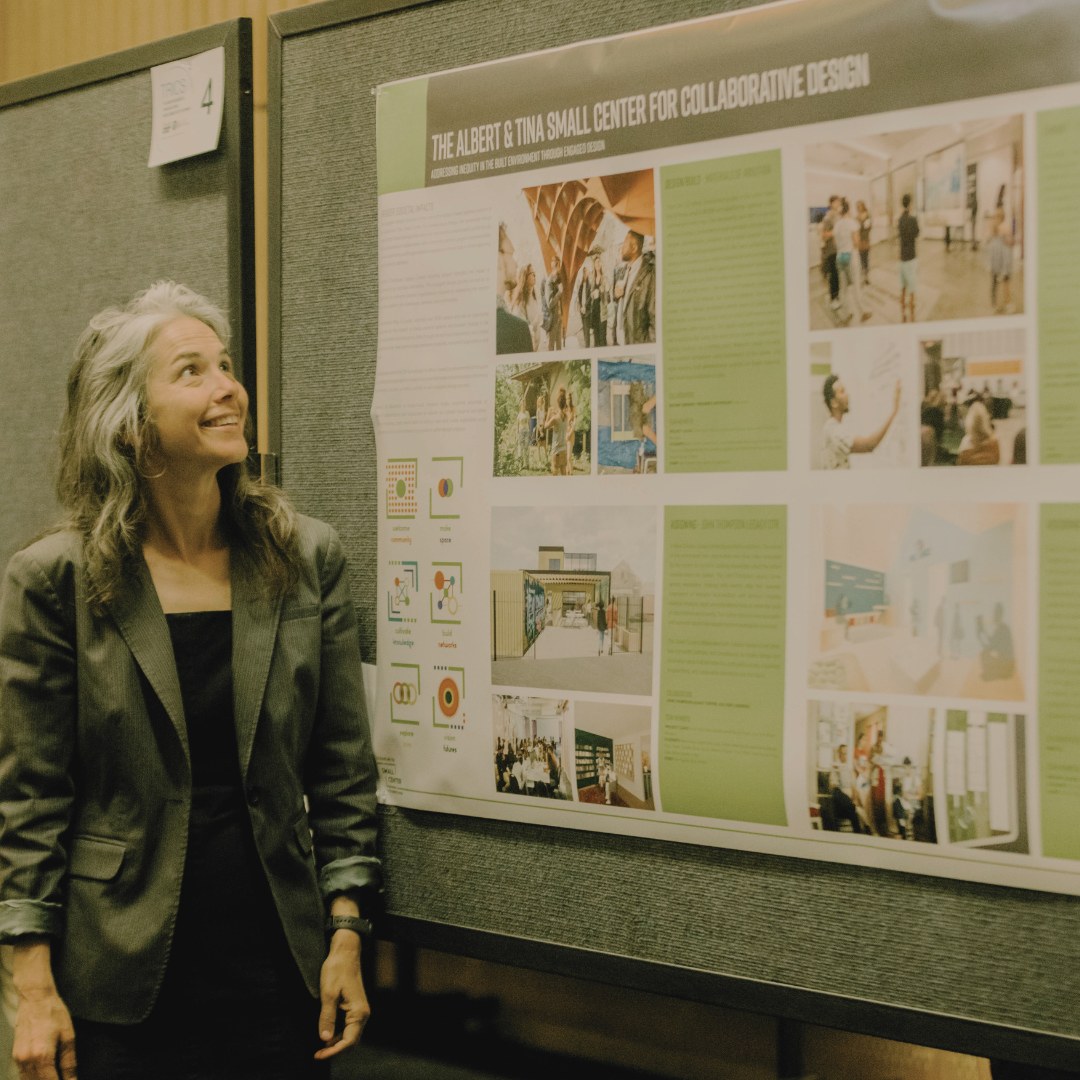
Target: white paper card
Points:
(188, 96)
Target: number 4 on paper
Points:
(187, 107)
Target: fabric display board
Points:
(85, 223)
(692, 398)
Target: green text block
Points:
(722, 315)
(722, 675)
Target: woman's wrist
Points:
(345, 941)
(31, 968)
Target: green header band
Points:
(400, 124)
(756, 69)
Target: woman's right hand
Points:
(44, 1043)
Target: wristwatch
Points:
(356, 923)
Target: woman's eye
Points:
(188, 369)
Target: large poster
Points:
(726, 411)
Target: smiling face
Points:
(197, 407)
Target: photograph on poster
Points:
(872, 770)
(626, 425)
(543, 418)
(859, 389)
(572, 594)
(919, 599)
(918, 225)
(984, 752)
(577, 265)
(612, 746)
(974, 406)
(530, 736)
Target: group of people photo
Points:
(869, 784)
(543, 419)
(530, 767)
(917, 225)
(576, 266)
(974, 399)
(528, 740)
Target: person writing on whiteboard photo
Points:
(838, 441)
(187, 790)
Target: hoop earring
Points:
(142, 462)
(150, 476)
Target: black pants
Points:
(272, 1035)
(833, 274)
(844, 810)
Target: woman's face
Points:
(195, 402)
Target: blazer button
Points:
(253, 796)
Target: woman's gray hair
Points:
(107, 443)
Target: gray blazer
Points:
(95, 776)
(639, 304)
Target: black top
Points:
(908, 227)
(228, 929)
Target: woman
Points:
(524, 433)
(1000, 250)
(979, 446)
(845, 232)
(571, 423)
(555, 424)
(540, 436)
(592, 303)
(525, 304)
(179, 676)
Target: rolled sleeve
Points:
(360, 874)
(21, 917)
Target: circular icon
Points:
(448, 697)
(403, 693)
(399, 489)
(446, 488)
(440, 579)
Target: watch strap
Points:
(357, 923)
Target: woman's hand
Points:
(341, 988)
(44, 1046)
(44, 1043)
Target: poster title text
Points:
(833, 75)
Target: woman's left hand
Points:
(341, 987)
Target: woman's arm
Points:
(44, 1043)
(341, 986)
(37, 710)
(340, 780)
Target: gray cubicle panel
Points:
(967, 967)
(84, 224)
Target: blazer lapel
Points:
(142, 625)
(255, 626)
